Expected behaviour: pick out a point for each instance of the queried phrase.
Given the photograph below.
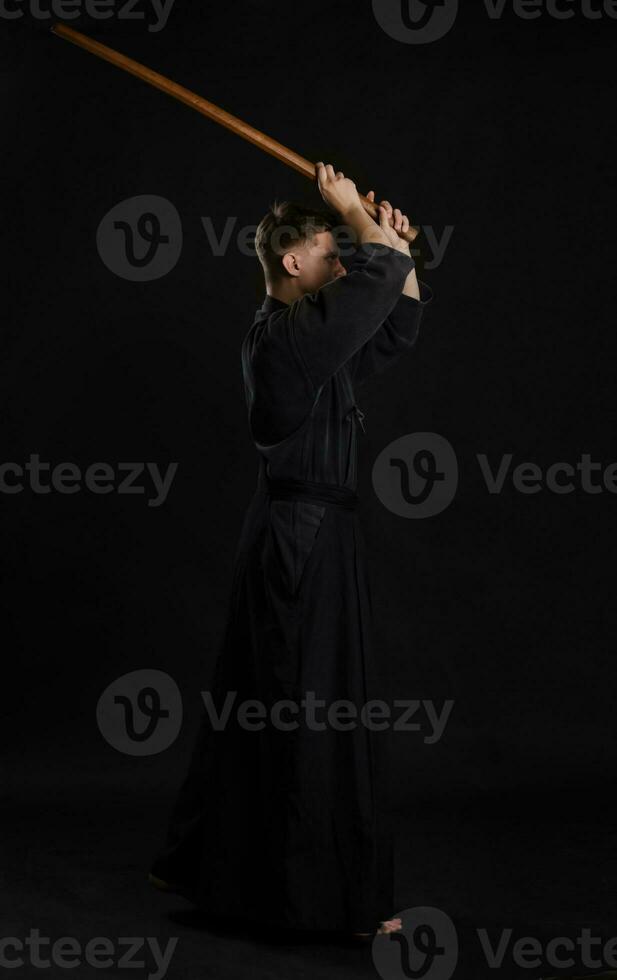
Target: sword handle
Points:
(369, 206)
(372, 209)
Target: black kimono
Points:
(281, 825)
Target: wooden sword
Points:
(208, 109)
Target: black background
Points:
(503, 129)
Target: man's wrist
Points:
(356, 219)
(354, 209)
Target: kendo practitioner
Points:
(278, 822)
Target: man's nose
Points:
(340, 270)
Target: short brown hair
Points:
(287, 224)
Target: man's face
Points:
(318, 262)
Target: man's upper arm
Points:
(397, 334)
(329, 326)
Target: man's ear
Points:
(290, 263)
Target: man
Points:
(278, 820)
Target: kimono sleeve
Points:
(397, 334)
(330, 326)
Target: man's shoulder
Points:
(267, 319)
(270, 306)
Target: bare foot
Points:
(386, 927)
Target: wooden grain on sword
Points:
(209, 109)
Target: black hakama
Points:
(281, 818)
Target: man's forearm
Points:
(411, 287)
(368, 230)
(363, 227)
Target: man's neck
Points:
(287, 291)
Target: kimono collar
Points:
(270, 304)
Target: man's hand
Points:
(391, 222)
(337, 190)
(340, 193)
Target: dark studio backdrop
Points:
(502, 130)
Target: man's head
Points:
(297, 250)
